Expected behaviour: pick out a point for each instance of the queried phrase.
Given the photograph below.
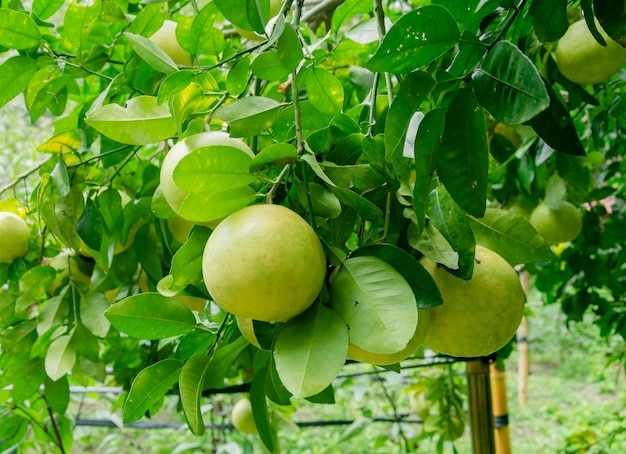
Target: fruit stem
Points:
(269, 198)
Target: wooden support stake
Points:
(480, 406)
(500, 409)
(523, 359)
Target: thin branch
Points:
(272, 192)
(396, 413)
(24, 175)
(55, 426)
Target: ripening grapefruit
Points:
(165, 38)
(557, 226)
(478, 316)
(581, 59)
(242, 417)
(264, 262)
(14, 235)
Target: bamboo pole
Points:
(480, 406)
(523, 358)
(500, 409)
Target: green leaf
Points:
(427, 143)
(151, 53)
(44, 9)
(214, 206)
(149, 386)
(89, 225)
(433, 245)
(556, 127)
(423, 286)
(347, 10)
(35, 282)
(412, 93)
(324, 90)
(143, 121)
(236, 12)
(15, 74)
(377, 304)
(289, 48)
(463, 158)
(186, 266)
(274, 154)
(324, 203)
(452, 223)
(78, 21)
(69, 141)
(213, 169)
(415, 40)
(151, 316)
(60, 357)
(267, 66)
(612, 17)
(18, 30)
(549, 18)
(52, 313)
(237, 79)
(509, 86)
(191, 384)
(310, 350)
(92, 308)
(202, 28)
(223, 360)
(249, 116)
(57, 394)
(511, 236)
(259, 408)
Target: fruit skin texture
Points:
(165, 38)
(557, 226)
(242, 417)
(172, 193)
(479, 316)
(358, 354)
(581, 59)
(264, 262)
(14, 235)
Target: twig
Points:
(272, 192)
(396, 413)
(55, 426)
(24, 175)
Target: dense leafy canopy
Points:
(380, 123)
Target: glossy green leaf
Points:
(174, 83)
(463, 158)
(202, 28)
(509, 86)
(191, 383)
(52, 313)
(69, 141)
(324, 203)
(310, 350)
(324, 90)
(57, 394)
(142, 121)
(15, 74)
(289, 48)
(150, 385)
(556, 127)
(347, 10)
(151, 316)
(414, 89)
(423, 286)
(60, 357)
(236, 12)
(433, 245)
(427, 143)
(249, 116)
(612, 17)
(148, 20)
(376, 302)
(151, 53)
(276, 154)
(35, 281)
(18, 30)
(549, 18)
(452, 223)
(267, 66)
(237, 79)
(78, 21)
(186, 266)
(415, 40)
(89, 225)
(259, 409)
(44, 9)
(214, 206)
(92, 308)
(511, 236)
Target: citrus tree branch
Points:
(24, 175)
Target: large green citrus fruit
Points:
(583, 60)
(557, 226)
(172, 193)
(358, 354)
(14, 235)
(165, 38)
(264, 262)
(478, 316)
(242, 417)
